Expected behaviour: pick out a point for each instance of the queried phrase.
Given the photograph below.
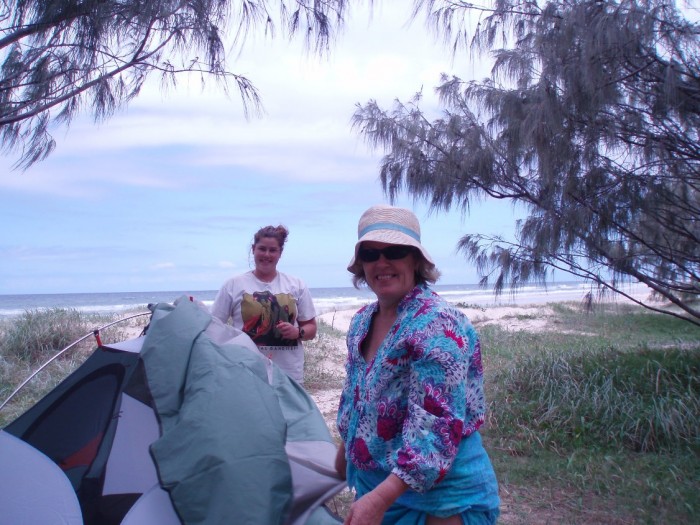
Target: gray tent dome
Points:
(187, 424)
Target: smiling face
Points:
(266, 253)
(389, 279)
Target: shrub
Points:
(643, 400)
(36, 335)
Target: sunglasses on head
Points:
(392, 253)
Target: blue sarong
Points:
(469, 489)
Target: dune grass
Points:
(598, 422)
(322, 370)
(593, 421)
(30, 340)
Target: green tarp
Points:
(222, 454)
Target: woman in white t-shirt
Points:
(275, 309)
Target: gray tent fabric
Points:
(221, 455)
(37, 492)
(153, 508)
(189, 424)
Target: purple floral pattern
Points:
(407, 411)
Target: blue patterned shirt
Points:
(407, 411)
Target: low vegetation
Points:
(29, 341)
(322, 364)
(595, 420)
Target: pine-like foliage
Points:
(590, 120)
(61, 56)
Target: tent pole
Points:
(94, 332)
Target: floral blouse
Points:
(407, 411)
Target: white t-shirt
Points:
(256, 307)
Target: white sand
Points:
(531, 311)
(528, 312)
(533, 317)
(528, 317)
(525, 311)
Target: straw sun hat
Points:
(383, 223)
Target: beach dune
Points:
(526, 310)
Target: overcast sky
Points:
(167, 194)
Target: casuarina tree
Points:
(63, 56)
(589, 120)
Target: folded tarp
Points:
(228, 418)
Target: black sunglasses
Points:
(392, 253)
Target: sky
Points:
(167, 194)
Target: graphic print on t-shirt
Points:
(261, 311)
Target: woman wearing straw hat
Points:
(413, 398)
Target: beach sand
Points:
(518, 317)
(531, 317)
(527, 312)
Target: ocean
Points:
(325, 299)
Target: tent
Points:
(187, 424)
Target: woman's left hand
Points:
(368, 510)
(288, 330)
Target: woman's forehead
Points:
(268, 242)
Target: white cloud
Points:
(164, 266)
(173, 187)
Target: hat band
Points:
(389, 226)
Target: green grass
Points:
(645, 401)
(594, 421)
(597, 421)
(30, 340)
(319, 352)
(471, 306)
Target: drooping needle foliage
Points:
(59, 57)
(589, 120)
